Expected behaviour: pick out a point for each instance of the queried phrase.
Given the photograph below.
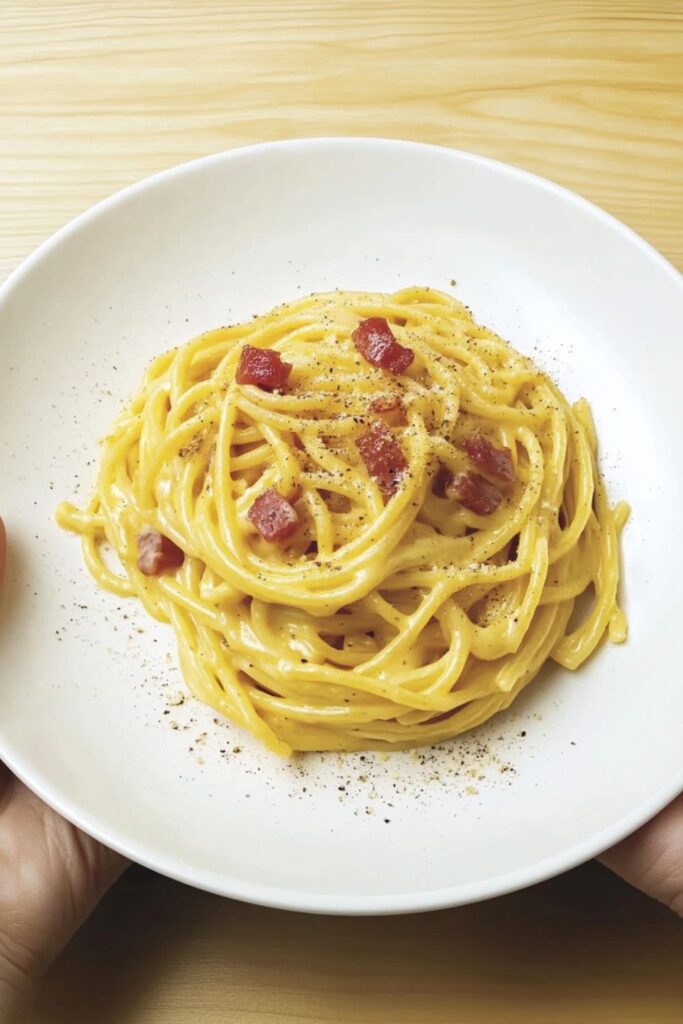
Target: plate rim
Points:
(273, 895)
(420, 901)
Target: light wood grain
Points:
(582, 949)
(95, 94)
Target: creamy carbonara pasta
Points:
(367, 519)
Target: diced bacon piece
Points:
(376, 343)
(489, 459)
(273, 516)
(390, 408)
(262, 367)
(383, 457)
(157, 554)
(475, 492)
(442, 479)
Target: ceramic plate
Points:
(93, 714)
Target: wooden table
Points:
(98, 93)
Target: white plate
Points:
(88, 681)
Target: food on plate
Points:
(367, 519)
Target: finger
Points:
(652, 858)
(56, 874)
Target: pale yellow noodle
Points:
(382, 623)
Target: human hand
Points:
(652, 858)
(51, 877)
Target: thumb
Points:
(652, 858)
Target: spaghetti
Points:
(367, 519)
